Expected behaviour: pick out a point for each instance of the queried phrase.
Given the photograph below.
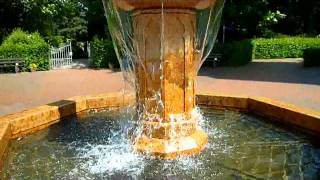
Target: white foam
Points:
(110, 159)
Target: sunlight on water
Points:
(99, 146)
(109, 159)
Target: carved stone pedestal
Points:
(166, 76)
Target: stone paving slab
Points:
(285, 81)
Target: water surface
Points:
(96, 146)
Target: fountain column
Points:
(166, 75)
(166, 54)
(167, 67)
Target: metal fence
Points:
(61, 57)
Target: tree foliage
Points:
(68, 18)
(265, 18)
(81, 20)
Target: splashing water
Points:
(96, 146)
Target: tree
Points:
(256, 18)
(97, 22)
(81, 20)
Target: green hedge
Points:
(103, 54)
(291, 47)
(30, 47)
(237, 53)
(311, 57)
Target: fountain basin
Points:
(32, 120)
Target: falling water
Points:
(161, 46)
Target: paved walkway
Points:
(24, 90)
(282, 80)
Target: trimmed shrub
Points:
(237, 53)
(103, 54)
(292, 47)
(311, 57)
(30, 47)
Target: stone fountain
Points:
(161, 45)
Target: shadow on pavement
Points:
(285, 72)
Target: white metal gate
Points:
(61, 57)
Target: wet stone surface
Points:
(96, 146)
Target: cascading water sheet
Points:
(161, 46)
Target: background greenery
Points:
(103, 54)
(312, 57)
(80, 21)
(242, 52)
(32, 48)
(292, 47)
(237, 53)
(271, 18)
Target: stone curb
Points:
(283, 113)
